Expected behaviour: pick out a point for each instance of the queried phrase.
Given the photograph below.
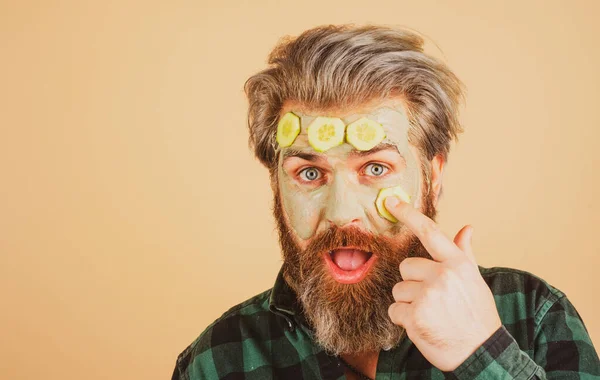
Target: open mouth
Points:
(349, 265)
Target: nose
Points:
(343, 206)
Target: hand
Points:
(444, 304)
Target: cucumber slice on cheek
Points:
(384, 193)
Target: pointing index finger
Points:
(439, 246)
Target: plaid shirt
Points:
(266, 337)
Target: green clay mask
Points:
(340, 185)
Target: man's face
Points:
(340, 185)
(340, 255)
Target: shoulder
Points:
(221, 342)
(542, 320)
(519, 291)
(503, 280)
(523, 300)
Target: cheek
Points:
(302, 208)
(414, 178)
(408, 180)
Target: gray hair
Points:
(345, 66)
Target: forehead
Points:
(390, 113)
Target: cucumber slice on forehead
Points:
(288, 129)
(326, 132)
(364, 133)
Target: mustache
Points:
(353, 236)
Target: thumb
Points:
(464, 239)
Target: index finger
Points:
(439, 246)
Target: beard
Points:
(348, 318)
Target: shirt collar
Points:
(284, 302)
(283, 298)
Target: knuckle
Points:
(392, 313)
(404, 265)
(419, 325)
(444, 274)
(429, 228)
(465, 267)
(429, 293)
(397, 291)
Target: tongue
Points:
(349, 259)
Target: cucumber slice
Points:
(364, 133)
(287, 129)
(325, 133)
(384, 193)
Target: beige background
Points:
(132, 213)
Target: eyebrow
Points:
(313, 157)
(301, 154)
(375, 149)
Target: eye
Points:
(309, 174)
(375, 169)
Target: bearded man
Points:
(355, 125)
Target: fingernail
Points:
(391, 201)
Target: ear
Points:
(437, 171)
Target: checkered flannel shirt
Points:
(266, 337)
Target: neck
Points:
(365, 362)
